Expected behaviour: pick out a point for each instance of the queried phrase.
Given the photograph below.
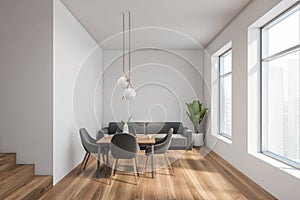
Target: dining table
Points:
(142, 139)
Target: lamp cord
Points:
(123, 42)
(129, 45)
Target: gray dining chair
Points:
(90, 146)
(161, 147)
(124, 146)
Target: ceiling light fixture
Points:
(125, 80)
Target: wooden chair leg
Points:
(82, 163)
(169, 164)
(115, 168)
(105, 167)
(146, 164)
(112, 171)
(107, 162)
(136, 165)
(89, 154)
(135, 170)
(103, 158)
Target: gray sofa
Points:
(181, 139)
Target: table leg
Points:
(107, 158)
(152, 160)
(98, 161)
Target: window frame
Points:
(226, 52)
(263, 59)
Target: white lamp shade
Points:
(129, 94)
(122, 82)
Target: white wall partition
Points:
(279, 183)
(77, 89)
(164, 81)
(26, 82)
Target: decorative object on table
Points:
(125, 125)
(125, 80)
(196, 114)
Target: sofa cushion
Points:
(178, 140)
(163, 127)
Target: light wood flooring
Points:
(195, 177)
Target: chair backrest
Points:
(100, 134)
(164, 144)
(88, 143)
(114, 127)
(124, 146)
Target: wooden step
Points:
(7, 160)
(14, 178)
(32, 190)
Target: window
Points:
(280, 86)
(225, 94)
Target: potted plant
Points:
(196, 114)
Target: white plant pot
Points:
(197, 139)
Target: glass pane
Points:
(226, 63)
(225, 105)
(282, 35)
(280, 106)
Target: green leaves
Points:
(189, 116)
(202, 114)
(129, 118)
(190, 108)
(196, 119)
(196, 107)
(195, 112)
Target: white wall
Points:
(26, 82)
(77, 97)
(164, 82)
(274, 180)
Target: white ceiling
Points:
(172, 24)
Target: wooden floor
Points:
(195, 177)
(19, 182)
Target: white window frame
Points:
(227, 136)
(263, 59)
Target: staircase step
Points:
(7, 160)
(14, 178)
(32, 190)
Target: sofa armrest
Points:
(102, 132)
(189, 135)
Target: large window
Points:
(225, 95)
(280, 87)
